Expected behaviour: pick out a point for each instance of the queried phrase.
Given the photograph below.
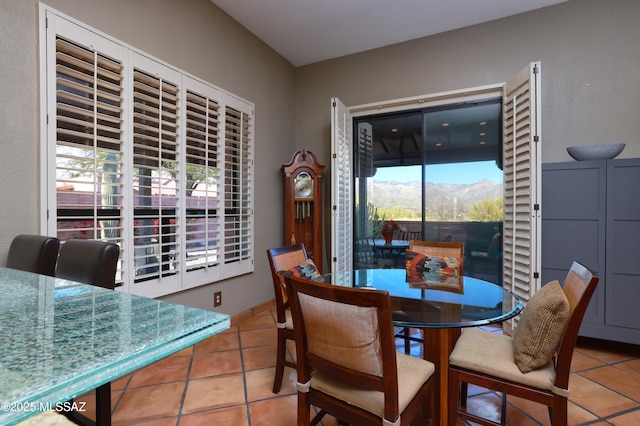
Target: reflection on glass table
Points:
(392, 251)
(429, 305)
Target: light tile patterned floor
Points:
(227, 380)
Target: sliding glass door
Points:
(431, 174)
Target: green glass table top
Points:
(59, 338)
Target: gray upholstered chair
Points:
(34, 253)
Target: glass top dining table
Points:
(443, 302)
(440, 306)
(60, 339)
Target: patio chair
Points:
(365, 256)
(409, 235)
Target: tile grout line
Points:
(615, 364)
(186, 385)
(244, 377)
(124, 389)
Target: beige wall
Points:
(193, 35)
(590, 91)
(590, 73)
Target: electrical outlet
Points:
(217, 298)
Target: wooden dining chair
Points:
(431, 248)
(535, 363)
(440, 249)
(281, 259)
(34, 253)
(347, 364)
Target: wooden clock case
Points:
(303, 203)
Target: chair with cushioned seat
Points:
(535, 363)
(438, 249)
(48, 418)
(347, 363)
(281, 259)
(34, 253)
(91, 262)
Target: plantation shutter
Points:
(522, 176)
(363, 170)
(342, 188)
(238, 184)
(88, 141)
(141, 154)
(156, 181)
(203, 159)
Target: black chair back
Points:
(34, 253)
(89, 262)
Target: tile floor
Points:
(227, 380)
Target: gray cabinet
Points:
(591, 213)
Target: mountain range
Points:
(446, 196)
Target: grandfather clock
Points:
(303, 203)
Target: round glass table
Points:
(439, 305)
(441, 302)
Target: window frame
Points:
(214, 218)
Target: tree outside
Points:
(487, 210)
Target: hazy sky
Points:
(443, 173)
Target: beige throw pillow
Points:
(541, 327)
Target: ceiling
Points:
(308, 31)
(447, 134)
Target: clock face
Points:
(303, 185)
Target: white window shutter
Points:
(341, 191)
(522, 174)
(139, 153)
(157, 186)
(88, 143)
(363, 170)
(203, 176)
(238, 188)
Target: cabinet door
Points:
(623, 241)
(573, 224)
